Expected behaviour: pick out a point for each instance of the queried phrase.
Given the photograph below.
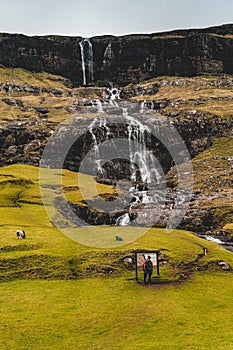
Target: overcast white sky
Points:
(94, 17)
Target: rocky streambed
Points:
(140, 203)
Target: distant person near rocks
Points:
(147, 267)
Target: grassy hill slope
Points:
(58, 294)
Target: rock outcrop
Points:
(124, 59)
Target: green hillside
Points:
(58, 294)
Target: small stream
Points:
(227, 245)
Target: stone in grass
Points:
(224, 265)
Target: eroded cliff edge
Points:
(125, 59)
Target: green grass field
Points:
(117, 314)
(56, 293)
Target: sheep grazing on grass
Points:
(20, 234)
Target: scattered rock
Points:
(224, 265)
(42, 110)
(128, 261)
(9, 102)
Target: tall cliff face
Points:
(125, 59)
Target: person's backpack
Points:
(148, 266)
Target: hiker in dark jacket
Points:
(147, 267)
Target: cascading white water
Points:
(149, 104)
(212, 239)
(146, 103)
(87, 61)
(108, 55)
(141, 161)
(97, 103)
(95, 146)
(123, 220)
(99, 106)
(139, 154)
(144, 159)
(114, 95)
(142, 106)
(102, 124)
(140, 196)
(83, 62)
(90, 62)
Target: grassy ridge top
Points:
(27, 96)
(203, 94)
(22, 76)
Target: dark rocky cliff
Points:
(125, 59)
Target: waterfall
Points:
(142, 157)
(98, 104)
(114, 95)
(96, 147)
(123, 220)
(87, 61)
(144, 174)
(149, 104)
(90, 62)
(142, 106)
(108, 55)
(83, 62)
(146, 103)
(139, 154)
(102, 124)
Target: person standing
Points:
(147, 267)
